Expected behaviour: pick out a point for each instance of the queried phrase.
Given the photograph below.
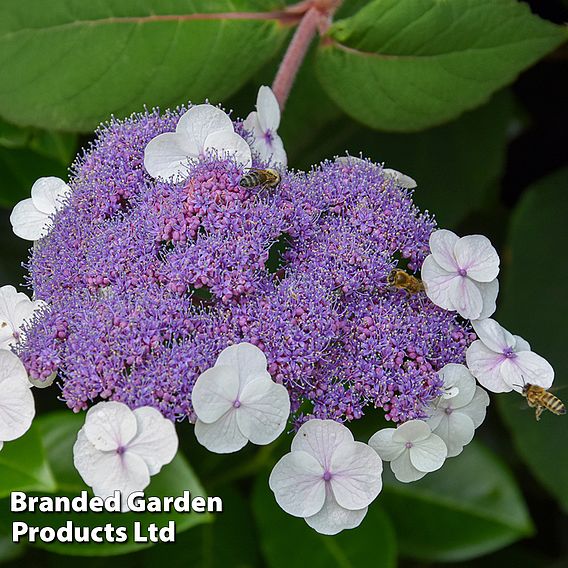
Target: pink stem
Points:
(295, 55)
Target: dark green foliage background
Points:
(466, 96)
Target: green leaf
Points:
(60, 431)
(535, 307)
(20, 168)
(405, 65)
(23, 466)
(470, 507)
(70, 64)
(288, 541)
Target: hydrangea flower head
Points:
(502, 362)
(327, 478)
(461, 274)
(148, 279)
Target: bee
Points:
(404, 281)
(539, 398)
(267, 178)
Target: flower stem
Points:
(295, 54)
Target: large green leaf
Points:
(288, 541)
(23, 465)
(406, 65)
(69, 64)
(60, 431)
(470, 507)
(535, 306)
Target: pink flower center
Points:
(327, 475)
(268, 137)
(408, 445)
(237, 404)
(462, 272)
(120, 450)
(448, 410)
(509, 353)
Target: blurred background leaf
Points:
(405, 65)
(470, 507)
(289, 541)
(72, 66)
(23, 465)
(534, 306)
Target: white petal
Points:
(459, 376)
(521, 344)
(110, 425)
(489, 292)
(17, 408)
(456, 430)
(356, 475)
(247, 359)
(527, 367)
(268, 109)
(332, 518)
(156, 441)
(412, 431)
(485, 366)
(214, 392)
(165, 157)
(109, 471)
(229, 144)
(437, 413)
(12, 368)
(477, 408)
(252, 125)
(298, 484)
(466, 297)
(222, 436)
(199, 122)
(437, 282)
(442, 243)
(430, 454)
(264, 410)
(383, 444)
(403, 469)
(493, 335)
(402, 180)
(49, 193)
(278, 153)
(321, 438)
(478, 257)
(15, 308)
(28, 223)
(450, 392)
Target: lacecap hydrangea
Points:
(148, 280)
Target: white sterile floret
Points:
(328, 478)
(461, 274)
(501, 361)
(31, 218)
(202, 129)
(16, 309)
(455, 419)
(263, 124)
(400, 179)
(412, 450)
(236, 401)
(17, 407)
(119, 449)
